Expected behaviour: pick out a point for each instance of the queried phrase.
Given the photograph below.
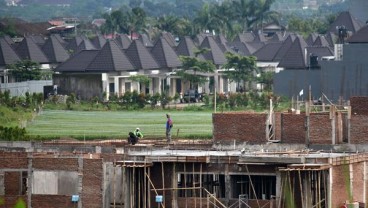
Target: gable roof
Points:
(216, 55)
(242, 48)
(360, 37)
(110, 58)
(347, 20)
(8, 39)
(268, 52)
(319, 51)
(38, 39)
(7, 54)
(331, 38)
(295, 56)
(27, 49)
(123, 41)
(54, 51)
(165, 54)
(77, 63)
(140, 57)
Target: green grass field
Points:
(117, 124)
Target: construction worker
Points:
(138, 133)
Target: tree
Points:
(240, 68)
(192, 67)
(25, 70)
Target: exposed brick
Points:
(293, 128)
(67, 164)
(339, 181)
(13, 160)
(52, 201)
(358, 178)
(12, 181)
(243, 127)
(359, 129)
(320, 129)
(92, 183)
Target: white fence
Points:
(20, 88)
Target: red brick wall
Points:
(13, 160)
(92, 183)
(293, 128)
(243, 127)
(12, 182)
(358, 178)
(52, 201)
(67, 164)
(320, 129)
(340, 193)
(358, 129)
(359, 105)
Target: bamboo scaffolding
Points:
(301, 188)
(251, 183)
(149, 179)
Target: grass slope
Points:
(117, 124)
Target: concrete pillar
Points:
(116, 84)
(278, 185)
(206, 87)
(121, 86)
(220, 88)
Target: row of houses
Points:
(97, 66)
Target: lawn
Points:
(117, 124)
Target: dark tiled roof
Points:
(295, 56)
(311, 38)
(54, 51)
(169, 38)
(244, 37)
(242, 48)
(38, 39)
(199, 38)
(8, 39)
(276, 37)
(186, 47)
(145, 40)
(268, 52)
(123, 41)
(110, 58)
(164, 54)
(60, 39)
(221, 39)
(259, 37)
(98, 41)
(7, 54)
(321, 41)
(80, 43)
(347, 20)
(27, 49)
(215, 54)
(140, 56)
(360, 37)
(77, 63)
(286, 44)
(331, 38)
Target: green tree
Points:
(266, 78)
(25, 70)
(240, 68)
(191, 66)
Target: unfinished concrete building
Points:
(273, 160)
